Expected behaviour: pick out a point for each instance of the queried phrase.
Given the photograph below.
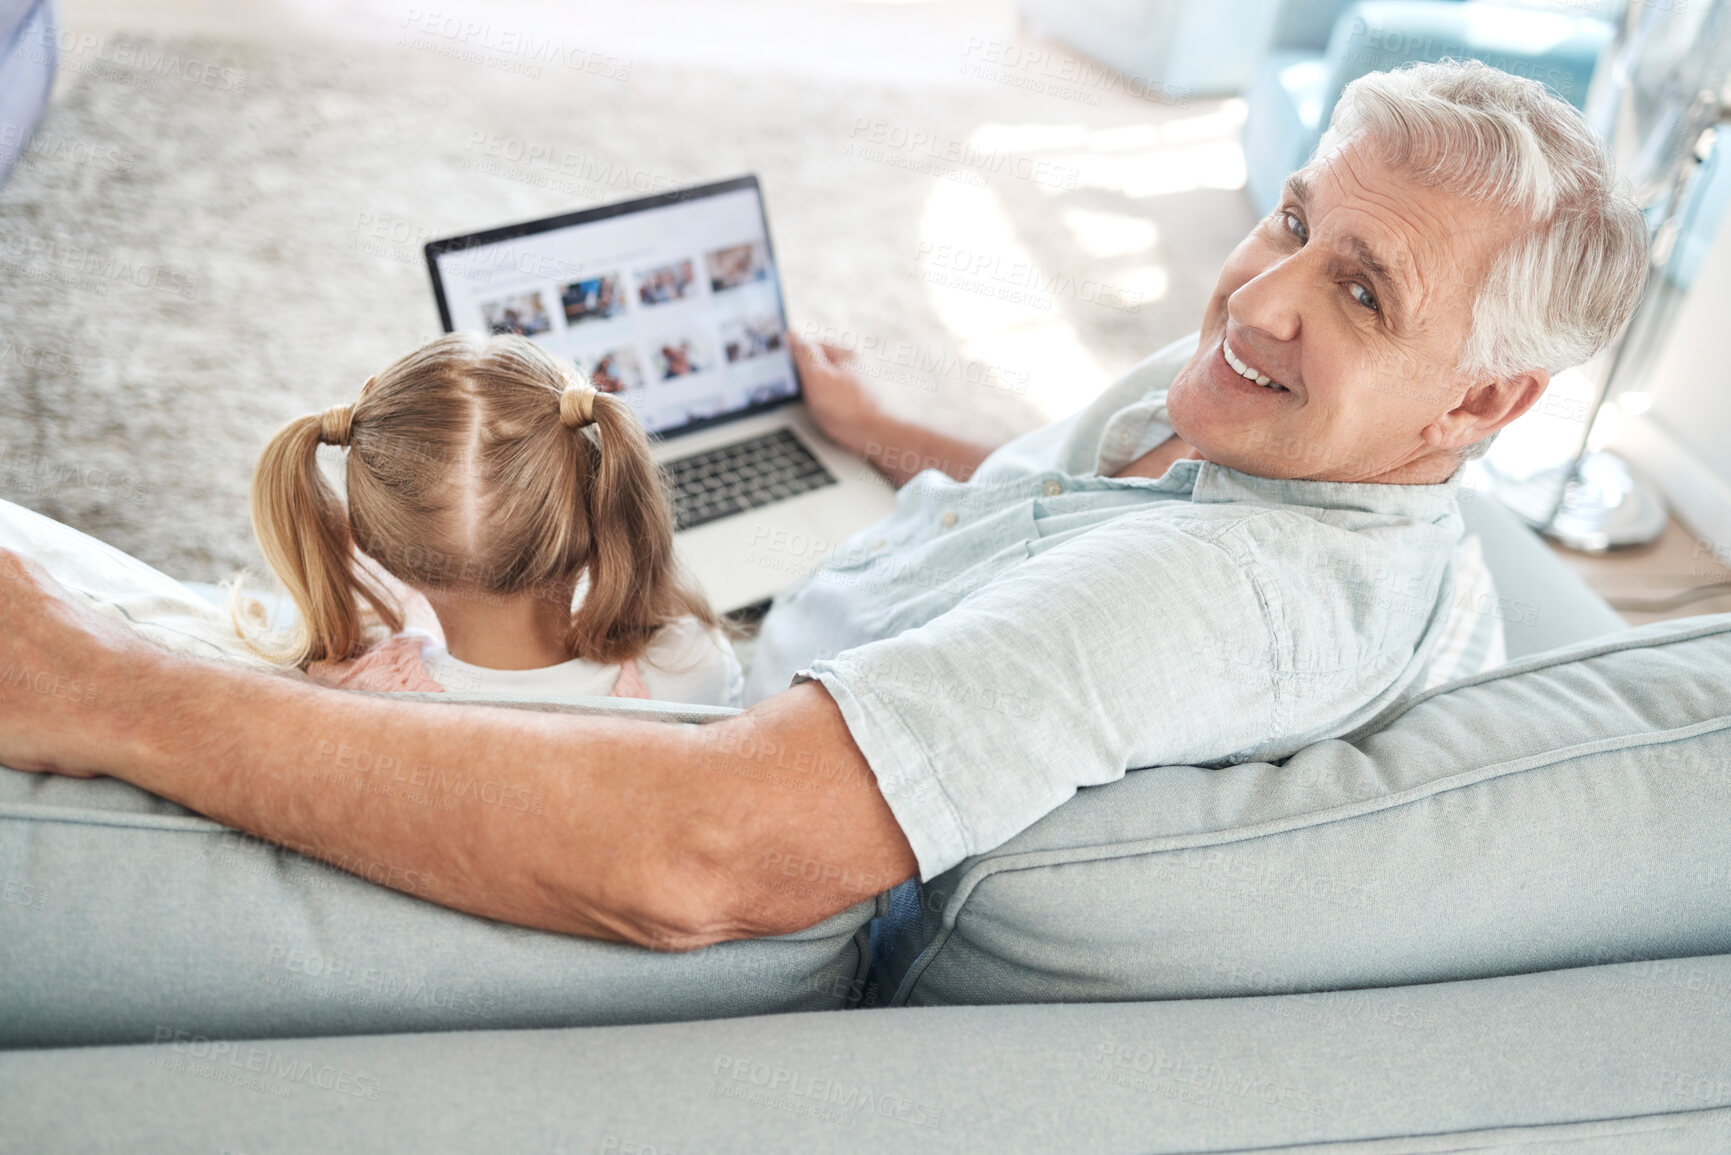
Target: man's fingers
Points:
(804, 352)
(818, 352)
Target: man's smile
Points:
(1246, 370)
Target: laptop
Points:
(672, 303)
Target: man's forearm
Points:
(899, 449)
(613, 828)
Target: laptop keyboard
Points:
(742, 476)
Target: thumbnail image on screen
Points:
(680, 356)
(666, 283)
(737, 265)
(523, 314)
(614, 371)
(751, 336)
(595, 299)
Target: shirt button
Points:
(948, 519)
(1054, 488)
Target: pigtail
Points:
(303, 530)
(635, 583)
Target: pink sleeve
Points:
(392, 665)
(630, 682)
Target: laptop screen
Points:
(671, 301)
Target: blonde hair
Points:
(482, 465)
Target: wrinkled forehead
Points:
(1432, 244)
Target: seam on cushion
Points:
(186, 823)
(917, 968)
(1496, 1138)
(573, 705)
(1560, 656)
(862, 964)
(1034, 859)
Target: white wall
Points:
(1683, 441)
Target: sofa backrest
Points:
(1542, 602)
(1560, 811)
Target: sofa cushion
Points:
(1567, 809)
(1559, 48)
(123, 915)
(1541, 602)
(1285, 98)
(1613, 1060)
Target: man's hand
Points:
(850, 416)
(834, 394)
(66, 674)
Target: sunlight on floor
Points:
(993, 291)
(972, 224)
(1110, 234)
(1173, 154)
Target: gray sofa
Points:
(1498, 918)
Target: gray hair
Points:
(1566, 286)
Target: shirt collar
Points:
(1143, 414)
(1209, 482)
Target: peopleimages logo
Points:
(1060, 75)
(1013, 279)
(226, 1061)
(800, 1092)
(129, 62)
(889, 139)
(483, 42)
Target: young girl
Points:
(487, 477)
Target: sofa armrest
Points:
(1543, 603)
(643, 709)
(1561, 51)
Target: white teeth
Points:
(1245, 371)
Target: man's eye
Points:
(1362, 295)
(1295, 226)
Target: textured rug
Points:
(207, 239)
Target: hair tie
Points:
(577, 405)
(334, 424)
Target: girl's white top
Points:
(686, 662)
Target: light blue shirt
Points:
(996, 644)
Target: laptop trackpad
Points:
(743, 559)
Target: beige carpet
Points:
(209, 238)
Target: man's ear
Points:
(1486, 408)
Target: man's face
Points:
(1355, 298)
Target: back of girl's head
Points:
(480, 467)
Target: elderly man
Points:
(1241, 548)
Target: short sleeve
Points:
(395, 665)
(690, 662)
(1141, 643)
